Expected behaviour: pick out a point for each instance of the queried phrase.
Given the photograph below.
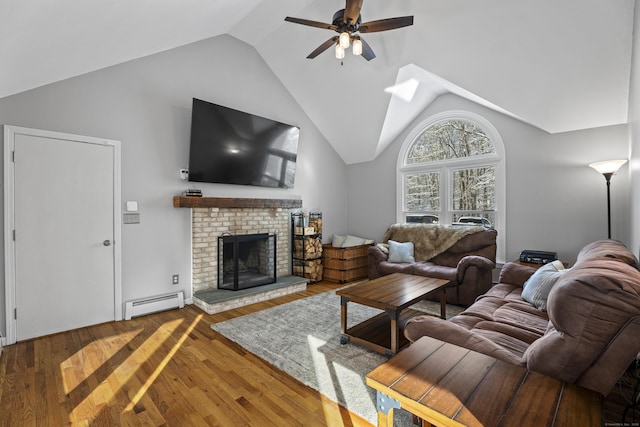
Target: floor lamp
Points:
(608, 168)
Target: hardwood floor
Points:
(165, 369)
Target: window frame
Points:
(447, 167)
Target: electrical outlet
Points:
(176, 279)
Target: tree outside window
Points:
(450, 139)
(449, 173)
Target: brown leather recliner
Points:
(468, 262)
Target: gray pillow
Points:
(400, 252)
(536, 289)
(338, 240)
(350, 241)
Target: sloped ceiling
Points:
(557, 65)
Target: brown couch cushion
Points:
(587, 308)
(505, 336)
(434, 270)
(453, 333)
(515, 274)
(385, 267)
(500, 316)
(611, 249)
(482, 244)
(501, 320)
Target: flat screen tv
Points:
(233, 147)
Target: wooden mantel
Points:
(227, 202)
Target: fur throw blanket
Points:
(429, 240)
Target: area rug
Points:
(303, 339)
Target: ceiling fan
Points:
(348, 24)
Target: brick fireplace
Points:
(210, 223)
(213, 217)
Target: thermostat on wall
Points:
(131, 218)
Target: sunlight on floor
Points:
(75, 371)
(324, 371)
(84, 363)
(161, 366)
(325, 385)
(362, 388)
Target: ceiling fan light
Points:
(339, 51)
(344, 40)
(357, 47)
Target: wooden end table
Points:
(393, 294)
(447, 385)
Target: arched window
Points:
(451, 171)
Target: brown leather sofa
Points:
(588, 335)
(464, 255)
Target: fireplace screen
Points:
(246, 261)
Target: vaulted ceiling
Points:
(557, 65)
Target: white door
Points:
(66, 232)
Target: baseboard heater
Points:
(144, 306)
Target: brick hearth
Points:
(217, 300)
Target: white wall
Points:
(146, 104)
(555, 202)
(634, 135)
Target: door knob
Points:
(107, 243)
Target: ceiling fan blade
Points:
(310, 23)
(324, 46)
(367, 52)
(352, 11)
(385, 24)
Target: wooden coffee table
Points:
(447, 385)
(393, 294)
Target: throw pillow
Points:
(537, 288)
(352, 241)
(401, 252)
(338, 241)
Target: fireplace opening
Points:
(246, 261)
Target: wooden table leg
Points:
(395, 331)
(443, 305)
(344, 338)
(385, 420)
